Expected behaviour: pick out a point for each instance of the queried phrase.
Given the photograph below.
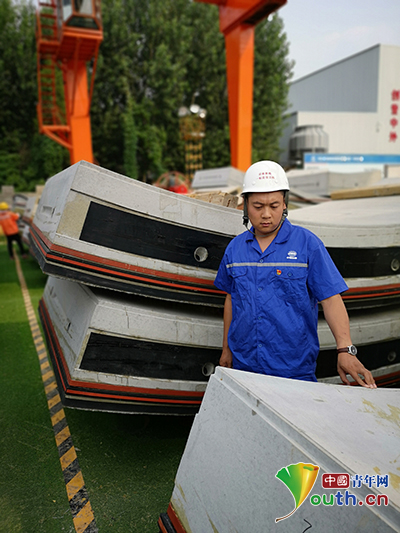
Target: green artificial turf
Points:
(128, 462)
(32, 492)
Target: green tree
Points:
(26, 158)
(156, 55)
(165, 52)
(272, 73)
(130, 139)
(17, 71)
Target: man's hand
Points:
(349, 364)
(226, 358)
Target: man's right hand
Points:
(226, 358)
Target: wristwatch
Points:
(352, 350)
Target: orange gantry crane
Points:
(68, 37)
(237, 21)
(69, 33)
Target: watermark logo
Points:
(346, 498)
(335, 481)
(299, 479)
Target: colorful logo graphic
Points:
(299, 479)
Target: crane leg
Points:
(239, 45)
(78, 106)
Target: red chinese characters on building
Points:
(394, 111)
(335, 481)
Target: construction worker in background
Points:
(274, 275)
(8, 222)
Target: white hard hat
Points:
(265, 176)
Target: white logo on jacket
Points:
(291, 255)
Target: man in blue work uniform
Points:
(274, 275)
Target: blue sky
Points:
(321, 32)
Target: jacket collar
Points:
(283, 234)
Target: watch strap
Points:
(343, 350)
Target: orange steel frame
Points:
(70, 49)
(66, 48)
(237, 21)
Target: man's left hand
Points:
(349, 364)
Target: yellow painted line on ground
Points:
(44, 365)
(50, 387)
(58, 417)
(54, 401)
(82, 519)
(82, 513)
(67, 458)
(47, 376)
(62, 435)
(74, 485)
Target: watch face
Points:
(353, 350)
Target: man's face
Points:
(265, 211)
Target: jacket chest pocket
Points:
(240, 280)
(290, 284)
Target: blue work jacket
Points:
(275, 297)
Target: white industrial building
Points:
(346, 115)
